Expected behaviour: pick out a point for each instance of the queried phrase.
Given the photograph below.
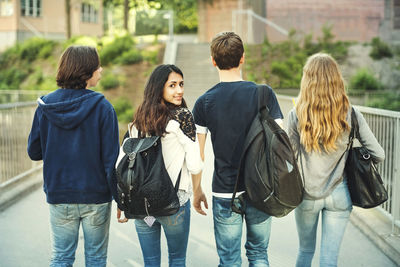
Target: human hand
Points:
(124, 220)
(198, 197)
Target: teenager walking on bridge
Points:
(164, 113)
(227, 110)
(75, 133)
(319, 128)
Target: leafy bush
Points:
(130, 57)
(81, 40)
(326, 43)
(48, 84)
(11, 78)
(124, 109)
(9, 56)
(34, 79)
(281, 64)
(380, 49)
(280, 69)
(109, 81)
(150, 56)
(364, 80)
(113, 50)
(36, 48)
(389, 101)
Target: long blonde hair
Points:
(322, 105)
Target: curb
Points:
(378, 228)
(16, 190)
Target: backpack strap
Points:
(132, 158)
(262, 97)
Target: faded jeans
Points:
(65, 220)
(228, 233)
(176, 229)
(335, 211)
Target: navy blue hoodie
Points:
(75, 132)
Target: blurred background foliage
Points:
(281, 66)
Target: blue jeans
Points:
(176, 229)
(335, 211)
(65, 220)
(228, 233)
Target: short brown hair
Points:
(77, 65)
(227, 50)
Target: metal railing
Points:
(16, 121)
(252, 27)
(16, 96)
(385, 125)
(15, 125)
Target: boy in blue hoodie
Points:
(75, 133)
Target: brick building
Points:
(22, 19)
(390, 26)
(357, 20)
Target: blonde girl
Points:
(319, 128)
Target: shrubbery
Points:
(11, 78)
(27, 52)
(109, 81)
(389, 101)
(18, 69)
(380, 49)
(130, 57)
(282, 63)
(112, 51)
(124, 109)
(81, 40)
(364, 80)
(150, 56)
(35, 48)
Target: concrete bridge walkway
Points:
(24, 227)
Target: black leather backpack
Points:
(268, 166)
(144, 186)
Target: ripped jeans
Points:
(176, 229)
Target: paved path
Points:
(24, 227)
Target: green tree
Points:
(185, 13)
(68, 18)
(127, 4)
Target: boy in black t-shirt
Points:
(227, 110)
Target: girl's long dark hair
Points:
(154, 112)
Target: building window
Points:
(31, 8)
(396, 14)
(6, 8)
(89, 13)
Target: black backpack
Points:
(144, 186)
(268, 166)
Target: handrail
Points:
(18, 105)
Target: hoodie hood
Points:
(68, 108)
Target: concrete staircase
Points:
(199, 74)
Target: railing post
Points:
(396, 182)
(249, 26)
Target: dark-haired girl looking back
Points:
(164, 113)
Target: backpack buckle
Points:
(132, 156)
